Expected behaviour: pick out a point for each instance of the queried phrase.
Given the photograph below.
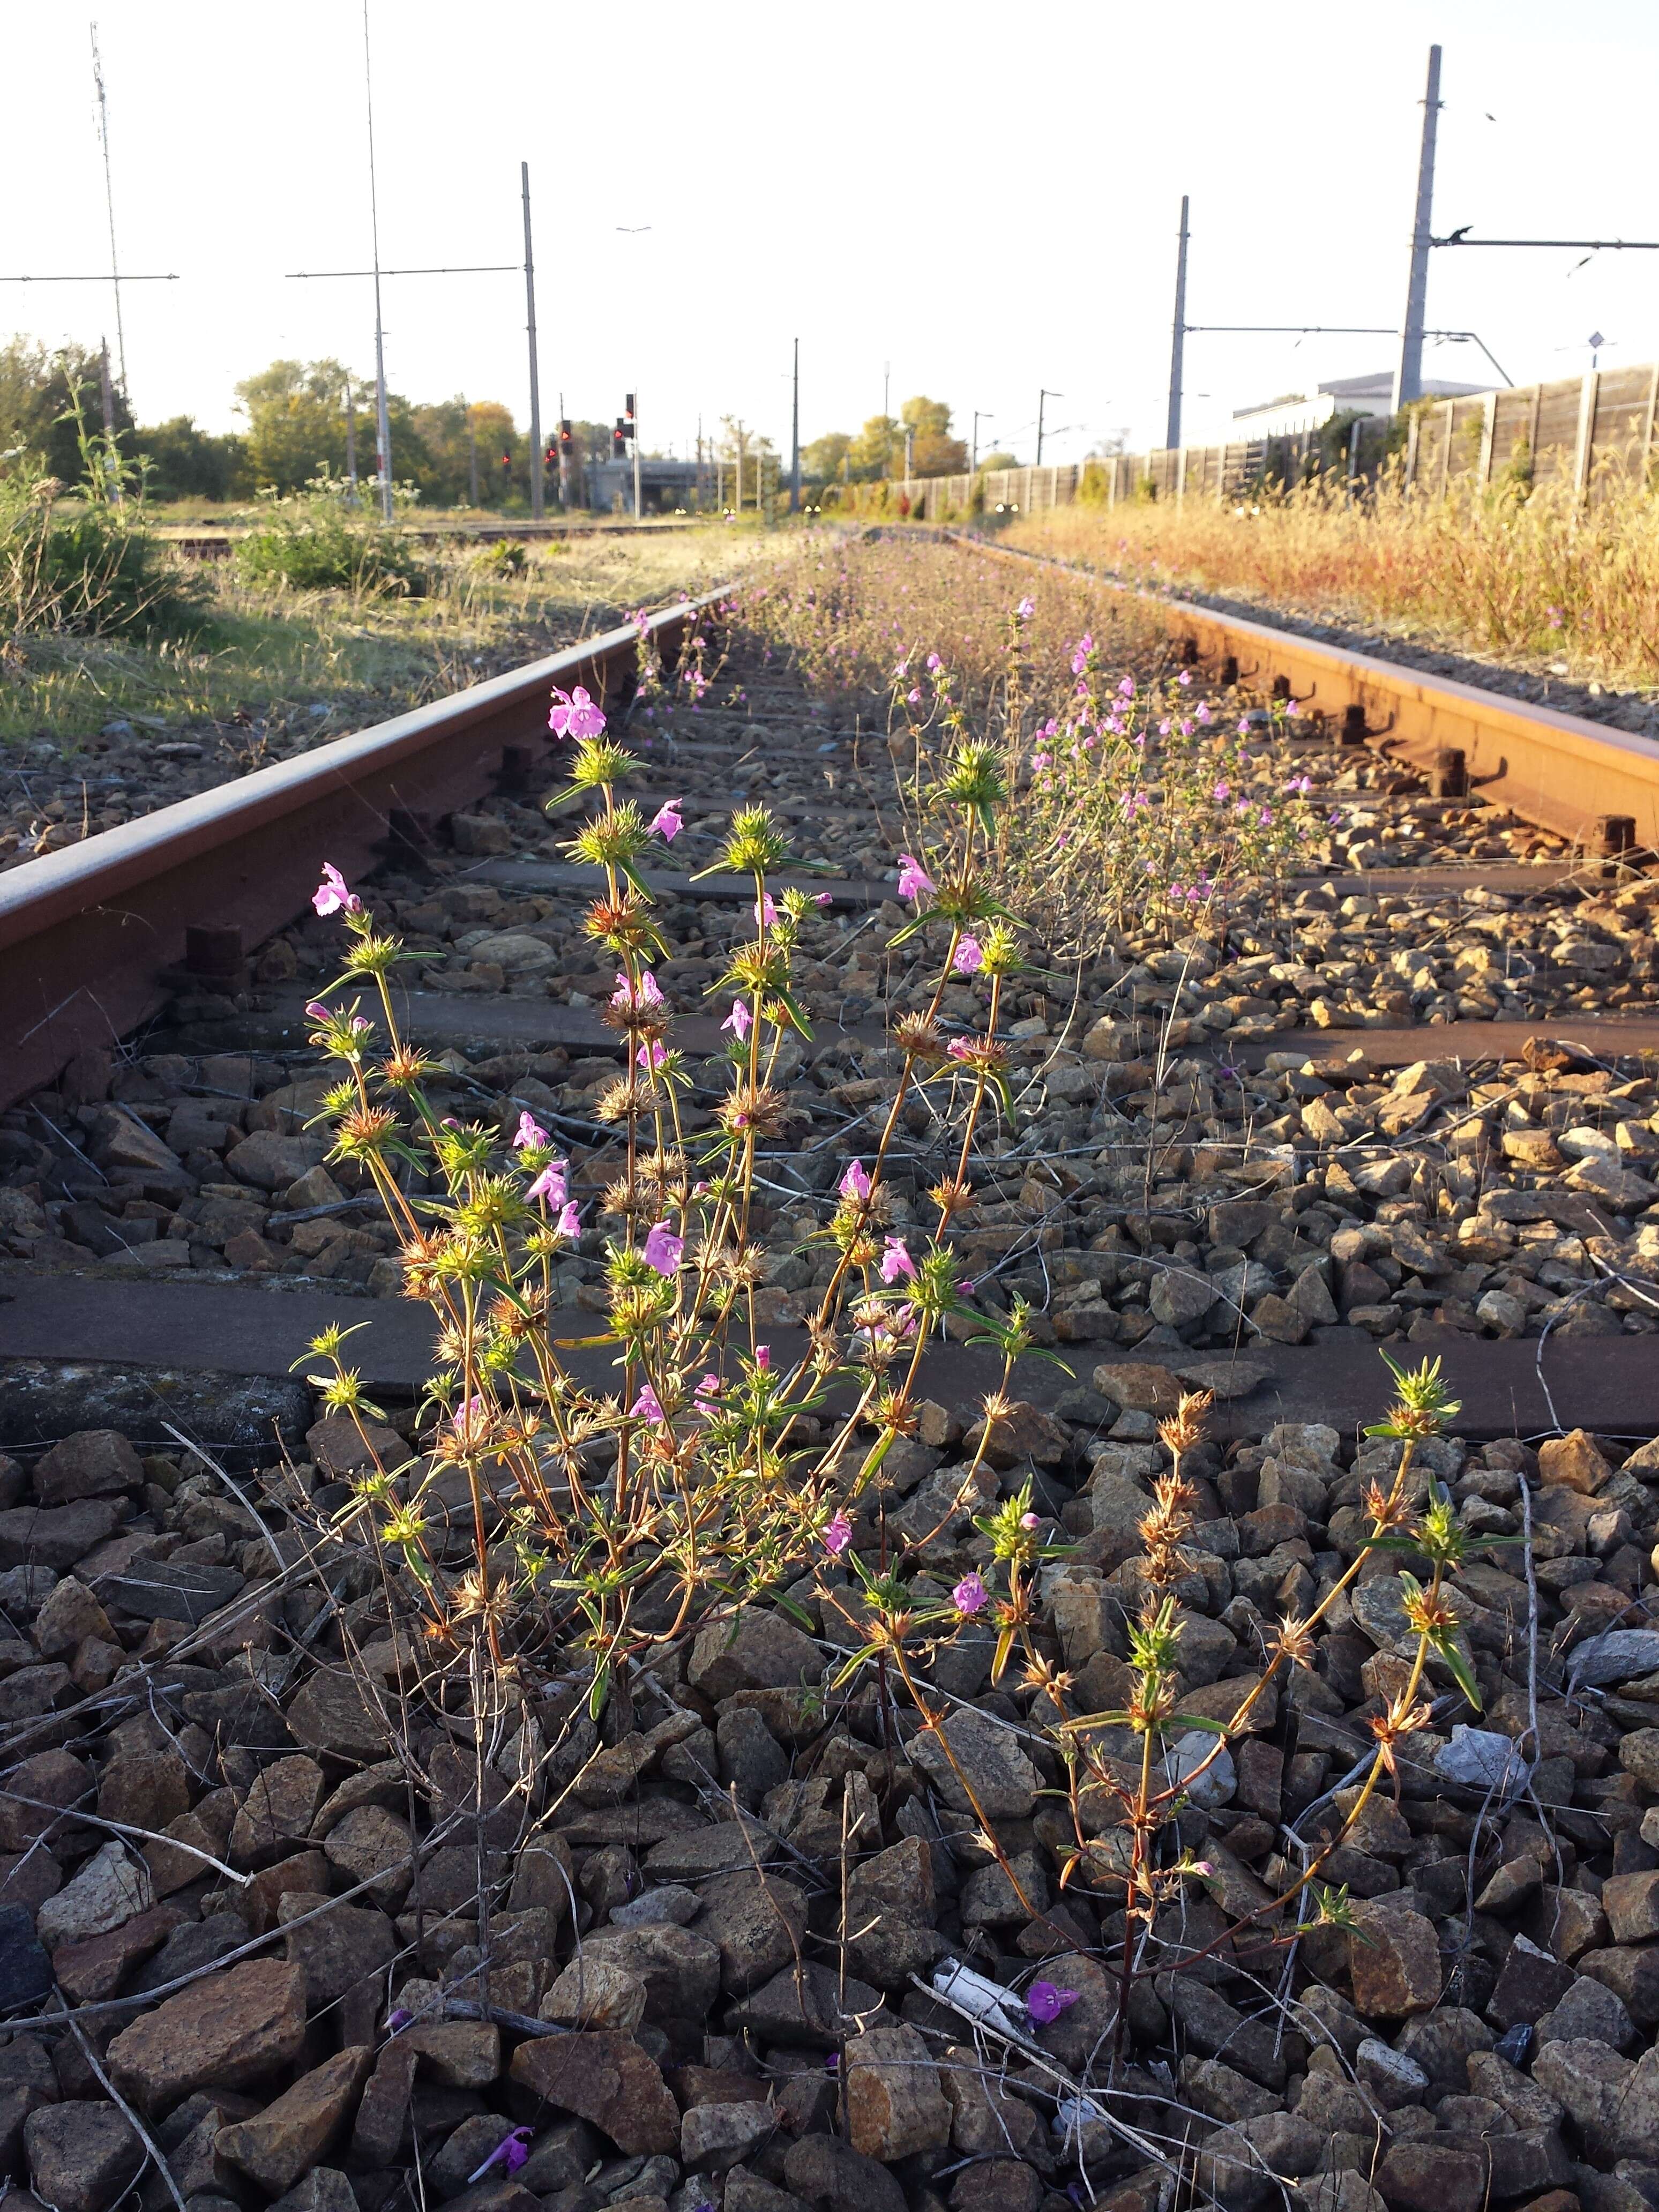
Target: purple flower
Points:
(648, 1406)
(1203, 715)
(970, 1596)
(1126, 689)
(318, 1011)
(838, 1534)
(933, 661)
(1030, 1520)
(969, 957)
(1045, 2003)
(551, 1184)
(1185, 676)
(914, 879)
(512, 2152)
(636, 997)
(855, 1183)
(663, 1249)
(569, 1223)
(895, 1261)
(1026, 609)
(394, 2020)
(530, 1132)
(766, 913)
(1085, 646)
(1222, 794)
(666, 821)
(739, 1020)
(334, 894)
(763, 1358)
(573, 714)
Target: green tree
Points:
(296, 416)
(821, 460)
(873, 453)
(442, 428)
(37, 413)
(999, 460)
(188, 463)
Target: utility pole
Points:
(980, 415)
(111, 465)
(794, 437)
(382, 420)
(471, 458)
(886, 382)
(1043, 396)
(351, 445)
(537, 501)
(1408, 377)
(634, 410)
(109, 202)
(1178, 336)
(909, 450)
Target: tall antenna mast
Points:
(383, 424)
(109, 202)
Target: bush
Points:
(91, 572)
(316, 543)
(187, 463)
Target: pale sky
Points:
(985, 198)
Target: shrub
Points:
(92, 571)
(316, 543)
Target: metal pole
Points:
(537, 500)
(1041, 398)
(471, 458)
(1178, 334)
(351, 447)
(794, 437)
(382, 420)
(112, 470)
(636, 456)
(1408, 377)
(886, 382)
(109, 204)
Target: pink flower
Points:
(318, 1011)
(740, 1020)
(958, 1049)
(1203, 715)
(970, 1596)
(1031, 1521)
(574, 716)
(635, 998)
(1126, 689)
(822, 898)
(933, 661)
(968, 958)
(855, 1183)
(1185, 676)
(334, 894)
(648, 1406)
(652, 1055)
(1045, 2003)
(765, 912)
(838, 1534)
(666, 822)
(895, 1260)
(1025, 610)
(663, 1249)
(530, 1132)
(913, 878)
(763, 1358)
(551, 1184)
(710, 1386)
(569, 1223)
(1222, 794)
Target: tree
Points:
(296, 412)
(188, 463)
(37, 404)
(999, 460)
(874, 452)
(442, 429)
(934, 452)
(820, 462)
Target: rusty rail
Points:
(1592, 785)
(92, 939)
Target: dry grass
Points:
(265, 653)
(1536, 578)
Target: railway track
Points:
(155, 931)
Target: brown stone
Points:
(276, 1814)
(90, 1463)
(894, 2102)
(231, 2028)
(603, 2078)
(295, 2132)
(81, 2155)
(92, 1970)
(1575, 1461)
(1393, 1957)
(461, 2054)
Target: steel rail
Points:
(1595, 786)
(92, 938)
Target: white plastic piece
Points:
(977, 1994)
(1074, 2114)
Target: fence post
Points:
(1445, 457)
(1647, 425)
(1582, 455)
(1413, 437)
(1180, 478)
(1489, 432)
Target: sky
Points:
(986, 199)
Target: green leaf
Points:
(596, 1696)
(1462, 1673)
